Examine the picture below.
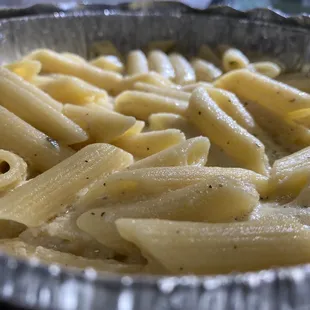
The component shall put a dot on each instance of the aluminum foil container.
(32, 285)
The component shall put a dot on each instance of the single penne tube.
(205, 71)
(274, 95)
(184, 73)
(53, 191)
(222, 130)
(297, 80)
(41, 80)
(53, 62)
(161, 121)
(37, 149)
(221, 200)
(75, 57)
(159, 62)
(13, 170)
(26, 87)
(190, 87)
(26, 69)
(187, 247)
(268, 68)
(69, 89)
(231, 105)
(134, 130)
(290, 174)
(152, 78)
(108, 62)
(102, 125)
(145, 182)
(283, 131)
(146, 144)
(163, 91)
(190, 152)
(234, 59)
(141, 104)
(34, 109)
(20, 249)
(136, 63)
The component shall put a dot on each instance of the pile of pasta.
(154, 164)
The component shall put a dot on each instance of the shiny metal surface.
(262, 31)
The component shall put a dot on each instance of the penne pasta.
(25, 87)
(34, 109)
(102, 125)
(190, 87)
(136, 63)
(267, 68)
(190, 152)
(13, 170)
(247, 150)
(20, 249)
(290, 135)
(163, 91)
(290, 174)
(161, 121)
(234, 59)
(231, 105)
(108, 62)
(273, 95)
(159, 62)
(184, 73)
(37, 149)
(74, 57)
(218, 200)
(53, 62)
(205, 71)
(201, 248)
(152, 78)
(149, 143)
(54, 190)
(27, 69)
(141, 105)
(142, 183)
(151, 201)
(69, 89)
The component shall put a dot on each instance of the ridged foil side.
(287, 39)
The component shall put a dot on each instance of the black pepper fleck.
(102, 214)
(86, 161)
(199, 112)
(210, 186)
(148, 148)
(104, 184)
(87, 178)
(92, 213)
(292, 100)
(235, 247)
